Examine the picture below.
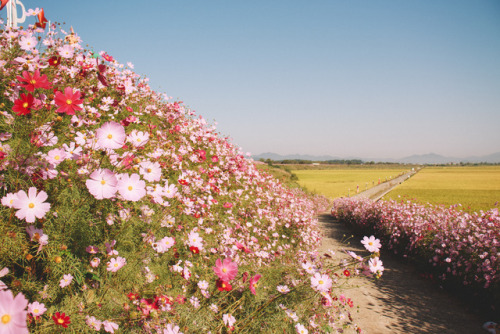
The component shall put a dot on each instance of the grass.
(474, 187)
(340, 181)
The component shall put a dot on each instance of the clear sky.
(348, 78)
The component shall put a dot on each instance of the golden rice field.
(344, 181)
(474, 187)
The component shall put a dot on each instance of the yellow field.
(475, 187)
(344, 181)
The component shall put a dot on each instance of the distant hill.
(430, 158)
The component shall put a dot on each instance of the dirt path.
(401, 301)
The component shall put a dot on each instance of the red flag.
(42, 21)
(2, 5)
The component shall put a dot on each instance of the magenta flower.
(31, 205)
(111, 135)
(131, 187)
(253, 283)
(226, 270)
(13, 313)
(68, 102)
(102, 183)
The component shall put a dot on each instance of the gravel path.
(401, 301)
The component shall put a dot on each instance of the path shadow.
(411, 304)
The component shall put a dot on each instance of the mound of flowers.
(459, 247)
(123, 211)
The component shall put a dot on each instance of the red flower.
(132, 296)
(193, 249)
(42, 21)
(68, 102)
(23, 105)
(183, 182)
(107, 57)
(347, 273)
(55, 61)
(32, 81)
(223, 286)
(61, 319)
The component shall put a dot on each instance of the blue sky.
(370, 79)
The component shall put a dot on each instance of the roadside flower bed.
(124, 211)
(458, 246)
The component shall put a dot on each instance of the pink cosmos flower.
(172, 329)
(93, 323)
(56, 156)
(111, 135)
(371, 244)
(150, 171)
(102, 184)
(138, 138)
(228, 319)
(13, 313)
(94, 263)
(322, 283)
(164, 244)
(376, 265)
(253, 283)
(66, 280)
(68, 102)
(36, 309)
(28, 43)
(66, 51)
(116, 264)
(131, 187)
(194, 240)
(8, 199)
(301, 329)
(31, 206)
(226, 270)
(109, 326)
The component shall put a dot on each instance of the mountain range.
(430, 158)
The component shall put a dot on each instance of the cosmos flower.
(32, 81)
(172, 329)
(138, 138)
(8, 199)
(150, 171)
(110, 135)
(66, 280)
(66, 51)
(116, 264)
(253, 283)
(61, 319)
(102, 184)
(68, 102)
(131, 187)
(371, 244)
(109, 326)
(13, 313)
(31, 206)
(36, 309)
(322, 283)
(23, 105)
(93, 322)
(226, 270)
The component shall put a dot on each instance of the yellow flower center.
(321, 282)
(148, 170)
(25, 105)
(116, 265)
(33, 81)
(130, 188)
(35, 311)
(110, 136)
(31, 205)
(139, 140)
(60, 321)
(224, 270)
(103, 182)
(5, 319)
(57, 157)
(68, 101)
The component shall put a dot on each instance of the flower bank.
(124, 211)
